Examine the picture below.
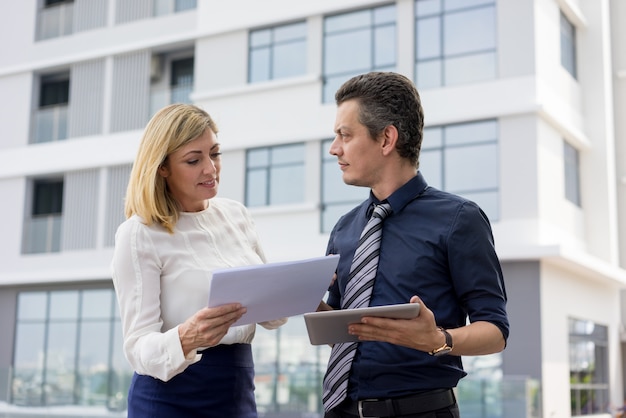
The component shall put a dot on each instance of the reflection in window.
(275, 175)
(68, 350)
(568, 46)
(588, 363)
(455, 42)
(337, 197)
(356, 43)
(572, 173)
(462, 159)
(277, 52)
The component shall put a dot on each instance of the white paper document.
(274, 290)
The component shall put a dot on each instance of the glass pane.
(431, 167)
(428, 42)
(288, 154)
(182, 5)
(260, 65)
(32, 306)
(120, 373)
(335, 190)
(470, 168)
(182, 72)
(256, 188)
(347, 52)
(96, 304)
(28, 364)
(259, 157)
(347, 21)
(464, 4)
(488, 202)
(261, 37)
(64, 305)
(290, 32)
(427, 7)
(469, 31)
(93, 364)
(333, 211)
(385, 46)
(332, 84)
(432, 138)
(468, 133)
(385, 14)
(289, 60)
(428, 74)
(59, 374)
(287, 185)
(48, 197)
(470, 68)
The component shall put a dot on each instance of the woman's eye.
(192, 162)
(216, 155)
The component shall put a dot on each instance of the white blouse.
(161, 279)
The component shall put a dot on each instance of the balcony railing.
(55, 21)
(42, 234)
(49, 124)
(160, 98)
(166, 7)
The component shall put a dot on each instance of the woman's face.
(192, 173)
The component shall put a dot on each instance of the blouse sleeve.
(136, 271)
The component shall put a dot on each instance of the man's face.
(358, 154)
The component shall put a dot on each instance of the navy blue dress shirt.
(437, 246)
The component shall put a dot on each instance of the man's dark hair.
(387, 98)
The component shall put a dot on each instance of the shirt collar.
(410, 190)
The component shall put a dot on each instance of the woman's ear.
(164, 171)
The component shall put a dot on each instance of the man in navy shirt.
(437, 249)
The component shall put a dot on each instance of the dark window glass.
(48, 197)
(54, 92)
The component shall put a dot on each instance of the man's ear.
(389, 137)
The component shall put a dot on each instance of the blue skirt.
(220, 385)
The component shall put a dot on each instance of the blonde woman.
(188, 360)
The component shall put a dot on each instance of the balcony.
(55, 21)
(49, 124)
(42, 234)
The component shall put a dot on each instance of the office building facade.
(524, 103)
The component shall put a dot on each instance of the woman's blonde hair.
(169, 129)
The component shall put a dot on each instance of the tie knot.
(382, 210)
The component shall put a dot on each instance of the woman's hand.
(208, 326)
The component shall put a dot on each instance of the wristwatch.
(446, 347)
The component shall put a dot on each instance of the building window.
(455, 42)
(181, 82)
(337, 197)
(43, 229)
(356, 43)
(568, 46)
(55, 19)
(572, 173)
(277, 52)
(588, 360)
(68, 350)
(275, 175)
(171, 79)
(463, 159)
(50, 117)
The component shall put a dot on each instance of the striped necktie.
(356, 295)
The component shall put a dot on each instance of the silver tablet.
(329, 327)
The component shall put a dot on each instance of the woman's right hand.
(208, 326)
